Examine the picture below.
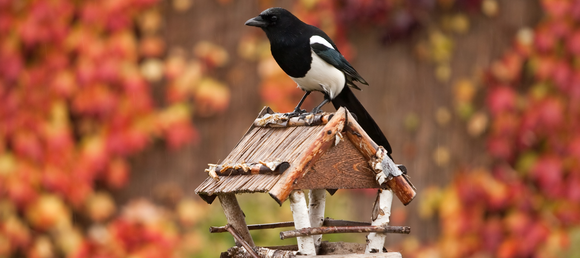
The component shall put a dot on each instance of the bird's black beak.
(257, 22)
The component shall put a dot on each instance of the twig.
(256, 226)
(264, 168)
(282, 120)
(328, 222)
(241, 241)
(345, 229)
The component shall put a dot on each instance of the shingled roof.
(278, 160)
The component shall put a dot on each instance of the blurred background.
(111, 110)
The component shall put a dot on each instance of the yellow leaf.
(7, 163)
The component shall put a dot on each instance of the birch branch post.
(317, 202)
(381, 214)
(235, 217)
(301, 220)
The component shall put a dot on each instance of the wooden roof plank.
(203, 186)
(299, 142)
(258, 182)
(272, 145)
(268, 184)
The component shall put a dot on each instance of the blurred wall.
(403, 93)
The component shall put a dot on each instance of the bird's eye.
(274, 18)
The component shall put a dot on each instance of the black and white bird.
(313, 61)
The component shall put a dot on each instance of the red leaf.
(548, 173)
(64, 83)
(574, 148)
(574, 88)
(56, 180)
(573, 43)
(573, 187)
(492, 235)
(117, 173)
(501, 99)
(508, 248)
(505, 124)
(500, 147)
(179, 134)
(20, 191)
(556, 8)
(536, 235)
(562, 75)
(27, 144)
(544, 39)
(551, 113)
(79, 193)
(12, 63)
(568, 213)
(544, 67)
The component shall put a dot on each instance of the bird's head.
(273, 19)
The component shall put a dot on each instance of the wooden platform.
(381, 255)
(327, 250)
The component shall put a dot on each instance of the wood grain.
(342, 167)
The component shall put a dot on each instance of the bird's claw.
(296, 112)
(316, 111)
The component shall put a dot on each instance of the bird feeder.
(283, 156)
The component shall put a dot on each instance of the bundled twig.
(283, 120)
(262, 167)
(345, 229)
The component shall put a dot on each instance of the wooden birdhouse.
(283, 156)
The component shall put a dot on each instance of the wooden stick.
(256, 226)
(282, 120)
(347, 229)
(235, 217)
(324, 140)
(380, 218)
(383, 255)
(240, 240)
(317, 201)
(267, 168)
(402, 187)
(328, 222)
(263, 252)
(301, 220)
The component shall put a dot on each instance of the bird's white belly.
(322, 77)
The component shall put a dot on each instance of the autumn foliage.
(526, 204)
(75, 103)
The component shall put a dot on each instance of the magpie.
(312, 60)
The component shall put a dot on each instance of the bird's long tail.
(347, 99)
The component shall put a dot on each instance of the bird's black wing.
(337, 60)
